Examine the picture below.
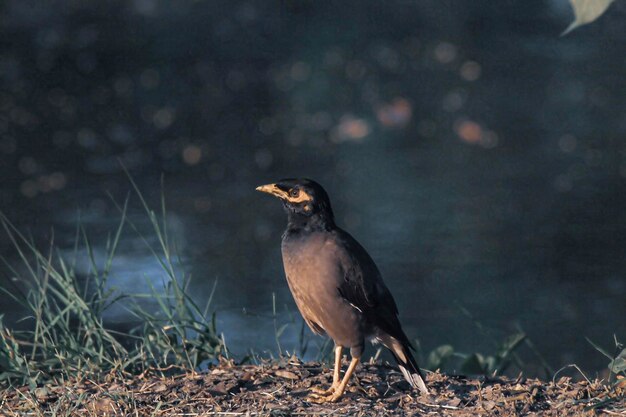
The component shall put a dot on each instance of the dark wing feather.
(364, 288)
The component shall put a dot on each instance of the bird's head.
(303, 199)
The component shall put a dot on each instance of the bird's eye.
(294, 192)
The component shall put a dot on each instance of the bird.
(336, 285)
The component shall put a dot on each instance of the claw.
(318, 399)
(337, 390)
(322, 392)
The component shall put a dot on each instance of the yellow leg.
(336, 372)
(341, 387)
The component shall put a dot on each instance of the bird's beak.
(273, 190)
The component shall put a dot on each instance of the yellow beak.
(273, 190)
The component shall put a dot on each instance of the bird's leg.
(336, 372)
(342, 385)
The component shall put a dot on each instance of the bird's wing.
(364, 288)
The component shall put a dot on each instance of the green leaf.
(586, 11)
(439, 356)
(491, 365)
(618, 364)
(474, 364)
(510, 344)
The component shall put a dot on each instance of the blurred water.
(476, 155)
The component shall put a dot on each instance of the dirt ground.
(282, 389)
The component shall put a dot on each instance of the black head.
(305, 201)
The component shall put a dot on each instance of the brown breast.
(314, 275)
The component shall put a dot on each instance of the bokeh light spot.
(469, 131)
(57, 181)
(470, 71)
(445, 52)
(192, 154)
(396, 114)
(163, 118)
(350, 128)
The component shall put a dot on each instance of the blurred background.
(477, 155)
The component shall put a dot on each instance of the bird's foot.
(331, 395)
(319, 392)
(321, 399)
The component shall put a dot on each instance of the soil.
(282, 389)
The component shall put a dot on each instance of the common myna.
(336, 284)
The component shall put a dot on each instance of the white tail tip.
(415, 380)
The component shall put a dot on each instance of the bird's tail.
(406, 362)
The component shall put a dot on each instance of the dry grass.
(282, 388)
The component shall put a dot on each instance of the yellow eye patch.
(301, 197)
